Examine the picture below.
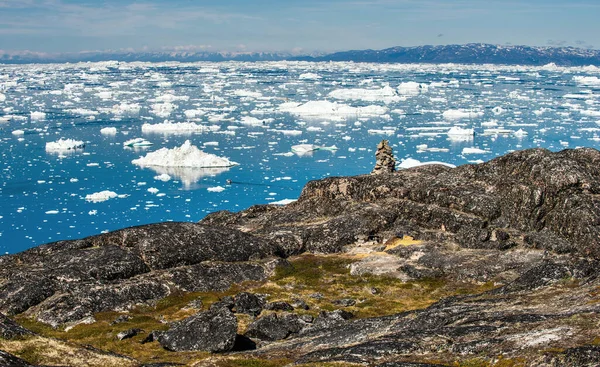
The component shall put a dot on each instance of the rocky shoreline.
(507, 253)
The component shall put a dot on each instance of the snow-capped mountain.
(472, 53)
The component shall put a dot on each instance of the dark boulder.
(212, 331)
(274, 327)
(248, 303)
(279, 306)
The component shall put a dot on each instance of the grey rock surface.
(212, 331)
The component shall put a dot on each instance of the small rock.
(318, 295)
(151, 337)
(307, 318)
(128, 334)
(225, 302)
(279, 306)
(211, 331)
(249, 303)
(345, 302)
(121, 319)
(298, 303)
(197, 304)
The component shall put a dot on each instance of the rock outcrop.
(212, 331)
(68, 281)
(527, 224)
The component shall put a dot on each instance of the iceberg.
(520, 133)
(411, 162)
(187, 155)
(101, 196)
(18, 132)
(411, 88)
(385, 94)
(458, 133)
(36, 116)
(283, 202)
(137, 142)
(474, 151)
(108, 131)
(176, 127)
(461, 114)
(64, 144)
(216, 189)
(330, 110)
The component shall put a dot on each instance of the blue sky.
(291, 25)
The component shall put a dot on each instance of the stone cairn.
(385, 159)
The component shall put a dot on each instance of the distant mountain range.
(472, 53)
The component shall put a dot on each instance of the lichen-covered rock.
(212, 331)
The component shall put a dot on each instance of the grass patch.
(317, 279)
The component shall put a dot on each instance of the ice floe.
(101, 196)
(108, 131)
(474, 151)
(216, 189)
(283, 202)
(137, 142)
(411, 88)
(461, 114)
(177, 127)
(411, 162)
(330, 110)
(386, 94)
(64, 145)
(36, 116)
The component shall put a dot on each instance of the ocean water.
(252, 114)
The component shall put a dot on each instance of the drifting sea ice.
(330, 110)
(461, 114)
(101, 196)
(108, 131)
(216, 189)
(187, 155)
(137, 142)
(64, 145)
(385, 94)
(474, 151)
(411, 88)
(411, 162)
(177, 127)
(36, 116)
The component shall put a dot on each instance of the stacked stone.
(385, 159)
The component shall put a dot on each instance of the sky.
(300, 26)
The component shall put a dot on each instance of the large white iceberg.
(187, 155)
(64, 144)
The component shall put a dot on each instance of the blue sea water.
(43, 194)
